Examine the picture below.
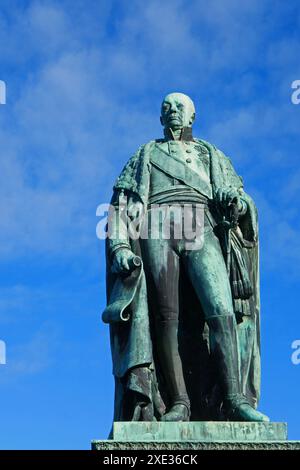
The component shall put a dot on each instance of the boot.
(224, 349)
(243, 411)
(171, 365)
(178, 412)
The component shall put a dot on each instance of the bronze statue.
(183, 310)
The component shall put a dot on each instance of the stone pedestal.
(206, 435)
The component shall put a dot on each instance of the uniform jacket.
(127, 309)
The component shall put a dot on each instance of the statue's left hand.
(227, 196)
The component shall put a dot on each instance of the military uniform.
(180, 174)
(167, 172)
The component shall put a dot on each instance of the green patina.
(205, 363)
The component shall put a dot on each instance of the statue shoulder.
(212, 148)
(204, 142)
(142, 148)
(222, 163)
(218, 153)
(133, 171)
(135, 157)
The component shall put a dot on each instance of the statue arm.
(126, 205)
(243, 205)
(125, 208)
(232, 188)
(117, 224)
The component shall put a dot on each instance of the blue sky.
(84, 83)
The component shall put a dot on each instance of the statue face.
(177, 111)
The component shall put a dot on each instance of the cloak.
(139, 388)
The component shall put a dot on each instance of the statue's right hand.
(121, 261)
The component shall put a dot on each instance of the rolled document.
(123, 292)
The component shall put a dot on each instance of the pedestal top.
(204, 431)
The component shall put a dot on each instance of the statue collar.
(186, 134)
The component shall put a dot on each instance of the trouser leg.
(207, 272)
(167, 348)
(162, 269)
(225, 353)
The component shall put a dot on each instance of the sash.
(180, 170)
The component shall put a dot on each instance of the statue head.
(177, 111)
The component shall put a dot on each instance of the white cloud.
(31, 357)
